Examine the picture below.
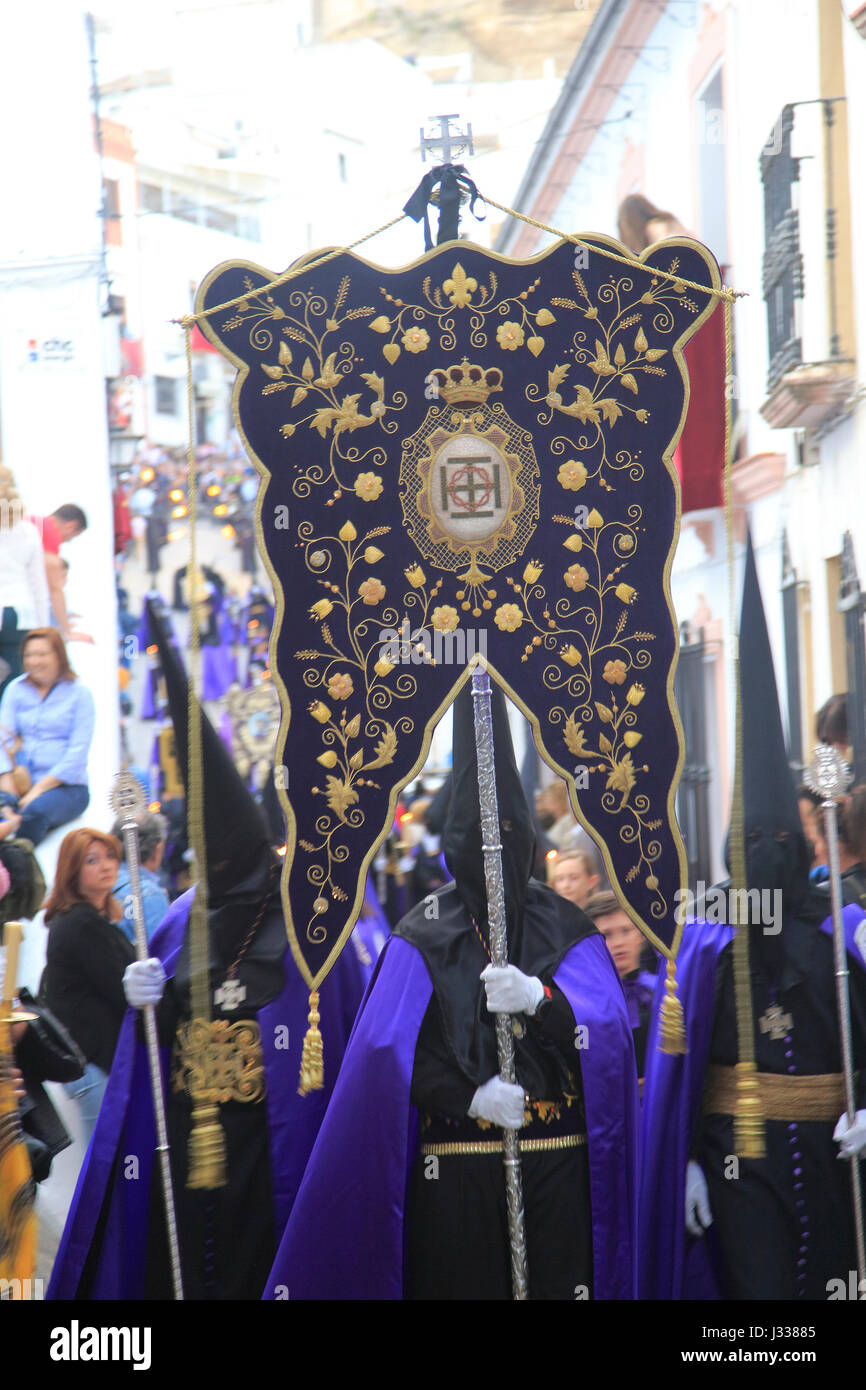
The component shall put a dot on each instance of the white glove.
(509, 991)
(144, 982)
(698, 1214)
(499, 1102)
(851, 1141)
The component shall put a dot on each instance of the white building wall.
(52, 398)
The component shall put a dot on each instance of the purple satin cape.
(852, 916)
(346, 1239)
(371, 931)
(672, 1264)
(126, 1124)
(219, 667)
(638, 992)
(672, 1089)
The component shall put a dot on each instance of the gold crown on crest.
(467, 382)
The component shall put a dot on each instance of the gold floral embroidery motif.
(219, 1061)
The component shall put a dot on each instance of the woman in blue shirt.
(52, 713)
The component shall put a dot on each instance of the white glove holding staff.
(509, 991)
(144, 982)
(851, 1141)
(698, 1214)
(498, 1102)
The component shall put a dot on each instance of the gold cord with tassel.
(207, 1144)
(312, 1076)
(207, 1148)
(672, 1028)
(748, 1119)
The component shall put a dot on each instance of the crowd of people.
(150, 502)
(411, 1011)
(91, 977)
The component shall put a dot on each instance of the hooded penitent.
(236, 835)
(785, 1018)
(351, 1234)
(438, 808)
(242, 867)
(113, 1246)
(776, 851)
(461, 837)
(540, 926)
(529, 771)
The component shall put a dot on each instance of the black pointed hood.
(273, 811)
(541, 926)
(529, 780)
(776, 852)
(236, 836)
(438, 808)
(461, 835)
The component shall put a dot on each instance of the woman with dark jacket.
(44, 1051)
(85, 960)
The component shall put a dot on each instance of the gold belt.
(219, 1061)
(804, 1098)
(494, 1146)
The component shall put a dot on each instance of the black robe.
(784, 1222)
(458, 1221)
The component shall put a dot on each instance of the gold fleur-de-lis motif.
(460, 287)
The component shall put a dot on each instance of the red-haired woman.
(51, 712)
(85, 960)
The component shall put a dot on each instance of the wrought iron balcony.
(803, 395)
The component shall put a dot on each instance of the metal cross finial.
(452, 142)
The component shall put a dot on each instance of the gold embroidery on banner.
(462, 292)
(462, 296)
(219, 1061)
(470, 493)
(586, 640)
(317, 369)
(470, 483)
(348, 665)
(617, 358)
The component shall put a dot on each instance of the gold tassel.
(207, 1148)
(748, 1121)
(312, 1076)
(672, 1025)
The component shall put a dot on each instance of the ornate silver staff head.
(127, 800)
(828, 774)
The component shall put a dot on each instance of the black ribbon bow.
(453, 181)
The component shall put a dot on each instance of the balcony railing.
(801, 394)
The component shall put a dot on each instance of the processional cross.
(451, 143)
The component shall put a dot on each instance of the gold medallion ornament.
(469, 481)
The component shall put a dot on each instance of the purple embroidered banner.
(468, 459)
